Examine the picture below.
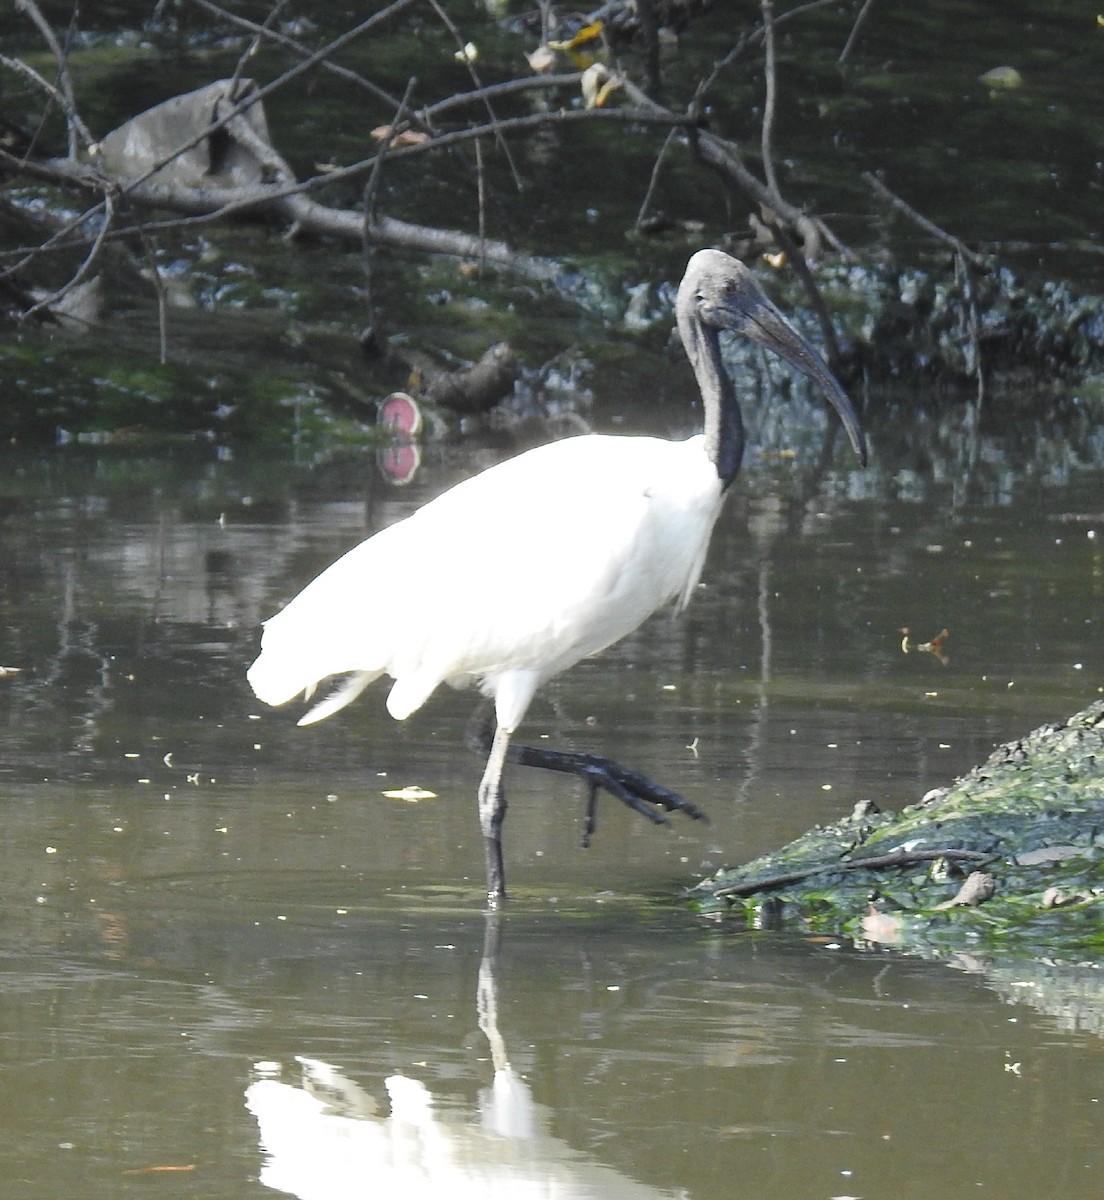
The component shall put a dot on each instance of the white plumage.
(505, 580)
(514, 575)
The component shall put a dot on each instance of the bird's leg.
(633, 789)
(492, 810)
(590, 813)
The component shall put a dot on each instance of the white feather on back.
(508, 577)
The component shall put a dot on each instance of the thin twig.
(371, 191)
(649, 32)
(493, 91)
(469, 63)
(371, 188)
(800, 264)
(770, 90)
(251, 50)
(753, 37)
(724, 157)
(76, 127)
(288, 43)
(852, 37)
(56, 94)
(150, 253)
(645, 204)
(482, 201)
(104, 228)
(929, 227)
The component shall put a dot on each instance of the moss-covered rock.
(1010, 856)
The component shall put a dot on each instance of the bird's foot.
(634, 790)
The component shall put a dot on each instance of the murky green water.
(196, 896)
(192, 886)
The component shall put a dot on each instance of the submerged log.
(472, 389)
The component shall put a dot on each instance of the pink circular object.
(400, 415)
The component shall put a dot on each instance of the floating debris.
(934, 647)
(411, 794)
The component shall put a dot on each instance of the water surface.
(197, 895)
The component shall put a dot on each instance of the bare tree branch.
(645, 204)
(261, 32)
(211, 203)
(64, 91)
(853, 36)
(462, 53)
(929, 227)
(251, 50)
(371, 190)
(767, 8)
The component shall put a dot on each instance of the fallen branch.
(212, 203)
(902, 858)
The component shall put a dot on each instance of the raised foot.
(636, 791)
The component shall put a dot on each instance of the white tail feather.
(344, 694)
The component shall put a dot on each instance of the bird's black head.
(719, 292)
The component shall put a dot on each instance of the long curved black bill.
(766, 325)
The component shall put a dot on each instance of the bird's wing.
(561, 551)
(528, 566)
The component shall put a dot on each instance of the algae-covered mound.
(1009, 857)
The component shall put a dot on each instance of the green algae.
(1030, 818)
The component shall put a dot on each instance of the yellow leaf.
(611, 85)
(587, 34)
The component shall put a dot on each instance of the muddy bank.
(1007, 858)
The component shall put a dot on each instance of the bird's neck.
(724, 427)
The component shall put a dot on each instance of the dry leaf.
(412, 794)
(597, 85)
(541, 59)
(406, 137)
(1003, 78)
(167, 1168)
(934, 647)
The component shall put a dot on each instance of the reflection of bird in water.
(323, 1138)
(516, 574)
